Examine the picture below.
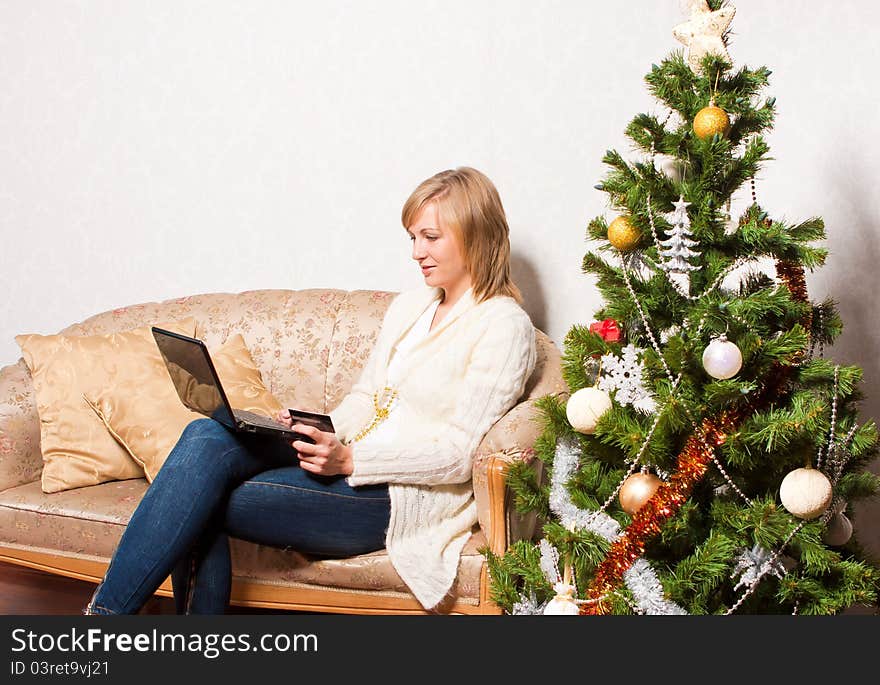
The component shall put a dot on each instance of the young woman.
(450, 360)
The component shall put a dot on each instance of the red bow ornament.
(608, 330)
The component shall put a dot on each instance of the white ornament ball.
(805, 493)
(722, 359)
(563, 603)
(669, 166)
(839, 530)
(585, 408)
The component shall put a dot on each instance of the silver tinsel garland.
(565, 463)
(549, 561)
(647, 591)
(640, 578)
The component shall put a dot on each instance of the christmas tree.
(708, 456)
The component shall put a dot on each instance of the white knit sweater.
(469, 371)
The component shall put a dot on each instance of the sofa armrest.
(509, 440)
(20, 458)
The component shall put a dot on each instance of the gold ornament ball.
(623, 235)
(586, 407)
(805, 493)
(709, 121)
(637, 490)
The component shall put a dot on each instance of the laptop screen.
(193, 376)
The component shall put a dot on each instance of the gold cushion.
(77, 450)
(147, 417)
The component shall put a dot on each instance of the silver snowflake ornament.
(753, 564)
(528, 606)
(623, 376)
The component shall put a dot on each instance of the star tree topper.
(704, 33)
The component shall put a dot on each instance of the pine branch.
(742, 169)
(722, 394)
(856, 486)
(519, 570)
(698, 575)
(678, 533)
(827, 324)
(777, 240)
(847, 583)
(736, 90)
(580, 345)
(765, 310)
(597, 229)
(583, 547)
(753, 120)
(607, 275)
(774, 430)
(818, 376)
(785, 347)
(528, 495)
(808, 231)
(672, 82)
(593, 483)
(763, 521)
(621, 428)
(865, 440)
(646, 131)
(620, 180)
(807, 546)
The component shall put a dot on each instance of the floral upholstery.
(20, 457)
(88, 522)
(310, 346)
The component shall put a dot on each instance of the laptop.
(200, 390)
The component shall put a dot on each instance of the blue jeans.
(216, 483)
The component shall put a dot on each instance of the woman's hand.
(284, 417)
(327, 457)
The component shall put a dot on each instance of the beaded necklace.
(382, 401)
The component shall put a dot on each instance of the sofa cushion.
(310, 345)
(88, 522)
(364, 572)
(147, 417)
(77, 449)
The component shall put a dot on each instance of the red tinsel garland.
(693, 462)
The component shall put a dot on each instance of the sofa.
(309, 346)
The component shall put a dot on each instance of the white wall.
(139, 140)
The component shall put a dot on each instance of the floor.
(25, 591)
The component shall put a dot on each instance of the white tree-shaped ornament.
(677, 248)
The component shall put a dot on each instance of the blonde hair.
(469, 204)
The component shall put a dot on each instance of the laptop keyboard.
(258, 419)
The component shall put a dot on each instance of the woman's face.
(436, 250)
